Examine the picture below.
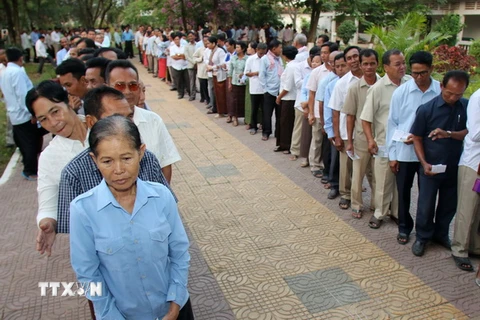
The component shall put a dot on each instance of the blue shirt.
(127, 36)
(322, 85)
(328, 112)
(15, 85)
(403, 107)
(141, 258)
(82, 174)
(305, 92)
(269, 77)
(34, 36)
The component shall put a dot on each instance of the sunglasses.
(132, 86)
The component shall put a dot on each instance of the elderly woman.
(48, 102)
(236, 83)
(127, 234)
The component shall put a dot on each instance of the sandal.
(293, 157)
(374, 223)
(229, 119)
(317, 173)
(327, 186)
(286, 152)
(253, 131)
(402, 238)
(357, 214)
(264, 138)
(344, 204)
(235, 122)
(463, 263)
(304, 164)
(324, 180)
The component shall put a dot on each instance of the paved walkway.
(266, 243)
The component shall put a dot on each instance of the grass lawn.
(31, 68)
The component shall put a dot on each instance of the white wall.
(324, 22)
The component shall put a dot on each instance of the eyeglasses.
(420, 73)
(121, 86)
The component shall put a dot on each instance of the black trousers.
(326, 149)
(181, 81)
(334, 170)
(204, 90)
(404, 180)
(118, 46)
(129, 49)
(41, 61)
(270, 106)
(445, 186)
(257, 104)
(186, 313)
(26, 55)
(28, 139)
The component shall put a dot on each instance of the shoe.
(30, 177)
(202, 100)
(191, 98)
(277, 149)
(210, 112)
(463, 263)
(402, 238)
(253, 131)
(418, 248)
(180, 97)
(317, 173)
(173, 89)
(155, 75)
(304, 164)
(265, 137)
(374, 223)
(333, 194)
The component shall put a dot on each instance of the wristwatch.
(449, 133)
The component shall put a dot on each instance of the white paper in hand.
(352, 155)
(382, 152)
(400, 136)
(439, 168)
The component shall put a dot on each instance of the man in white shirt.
(352, 56)
(42, 54)
(55, 38)
(138, 36)
(26, 45)
(9, 142)
(257, 91)
(117, 37)
(123, 76)
(106, 38)
(15, 85)
(61, 54)
(465, 236)
(179, 66)
(190, 49)
(300, 42)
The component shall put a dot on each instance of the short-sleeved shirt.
(377, 106)
(438, 114)
(354, 102)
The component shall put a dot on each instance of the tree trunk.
(13, 20)
(314, 17)
(184, 15)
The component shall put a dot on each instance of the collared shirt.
(301, 71)
(117, 37)
(317, 75)
(322, 86)
(178, 64)
(261, 35)
(34, 36)
(61, 56)
(237, 67)
(198, 56)
(377, 106)
(403, 107)
(218, 59)
(287, 81)
(269, 77)
(82, 174)
(438, 114)
(149, 49)
(106, 40)
(15, 85)
(55, 37)
(156, 137)
(302, 54)
(471, 148)
(253, 65)
(189, 51)
(128, 36)
(40, 49)
(26, 44)
(59, 152)
(338, 99)
(141, 258)
(328, 112)
(288, 35)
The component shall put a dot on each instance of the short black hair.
(386, 56)
(205, 31)
(339, 56)
(231, 42)
(347, 49)
(111, 126)
(368, 53)
(253, 45)
(262, 46)
(242, 45)
(86, 57)
(314, 51)
(457, 75)
(86, 51)
(274, 44)
(421, 57)
(221, 37)
(290, 52)
(41, 36)
(74, 66)
(213, 39)
(13, 54)
(123, 64)
(324, 37)
(93, 100)
(98, 62)
(333, 46)
(48, 89)
(88, 42)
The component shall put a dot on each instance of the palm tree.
(407, 35)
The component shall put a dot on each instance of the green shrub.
(475, 50)
(449, 25)
(346, 31)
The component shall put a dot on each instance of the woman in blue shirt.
(127, 234)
